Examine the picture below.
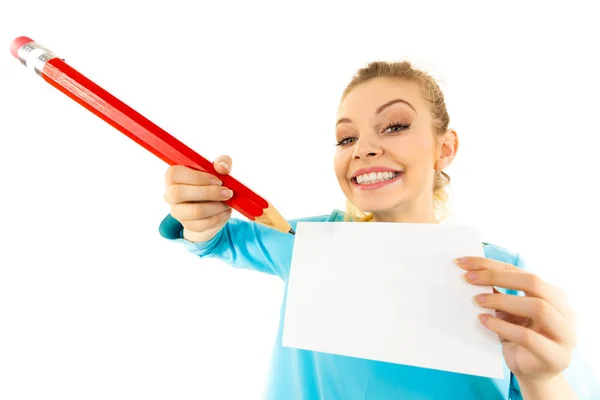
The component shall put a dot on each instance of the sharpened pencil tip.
(292, 231)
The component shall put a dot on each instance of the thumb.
(222, 164)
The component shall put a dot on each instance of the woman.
(393, 146)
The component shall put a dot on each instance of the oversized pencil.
(62, 76)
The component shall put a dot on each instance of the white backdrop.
(95, 304)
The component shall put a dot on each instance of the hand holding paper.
(536, 330)
(389, 292)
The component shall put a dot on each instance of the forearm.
(558, 388)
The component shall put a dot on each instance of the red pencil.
(59, 74)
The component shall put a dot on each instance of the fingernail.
(225, 193)
(224, 165)
(480, 299)
(460, 261)
(216, 182)
(484, 318)
(471, 276)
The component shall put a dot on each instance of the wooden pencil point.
(274, 220)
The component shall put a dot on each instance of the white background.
(95, 304)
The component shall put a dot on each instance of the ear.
(446, 149)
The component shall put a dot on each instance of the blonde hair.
(433, 95)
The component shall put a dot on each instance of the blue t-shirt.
(301, 374)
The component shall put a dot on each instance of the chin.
(379, 199)
(378, 205)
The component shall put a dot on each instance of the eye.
(396, 127)
(344, 141)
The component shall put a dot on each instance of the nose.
(366, 147)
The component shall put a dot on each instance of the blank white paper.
(389, 292)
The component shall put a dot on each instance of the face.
(387, 151)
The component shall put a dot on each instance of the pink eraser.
(18, 43)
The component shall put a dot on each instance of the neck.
(415, 213)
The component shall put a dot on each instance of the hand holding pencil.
(119, 115)
(197, 199)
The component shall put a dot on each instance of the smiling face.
(388, 152)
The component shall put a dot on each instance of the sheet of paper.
(389, 292)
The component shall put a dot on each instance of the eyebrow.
(380, 109)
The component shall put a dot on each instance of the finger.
(479, 263)
(538, 310)
(179, 174)
(546, 350)
(553, 294)
(195, 211)
(483, 263)
(512, 318)
(527, 282)
(176, 194)
(223, 164)
(212, 222)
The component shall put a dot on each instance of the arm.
(242, 244)
(557, 388)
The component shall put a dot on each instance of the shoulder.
(502, 254)
(275, 249)
(334, 216)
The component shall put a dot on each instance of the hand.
(196, 199)
(536, 330)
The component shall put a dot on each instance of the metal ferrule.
(34, 56)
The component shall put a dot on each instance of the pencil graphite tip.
(292, 231)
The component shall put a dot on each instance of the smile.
(375, 180)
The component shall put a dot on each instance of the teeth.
(375, 177)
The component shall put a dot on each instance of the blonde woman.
(393, 146)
